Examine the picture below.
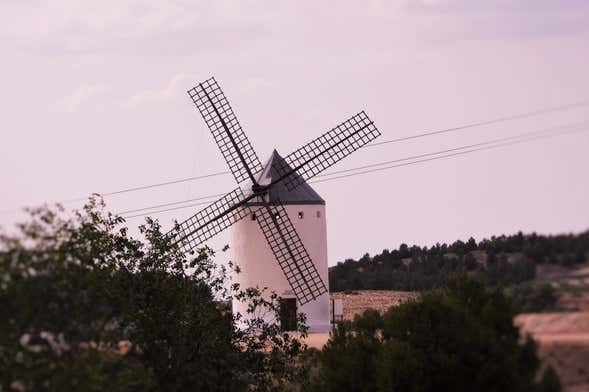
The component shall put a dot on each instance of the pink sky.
(94, 100)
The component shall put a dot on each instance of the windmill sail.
(326, 150)
(211, 220)
(280, 177)
(289, 251)
(232, 141)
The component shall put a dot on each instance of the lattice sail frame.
(220, 118)
(212, 220)
(288, 249)
(333, 146)
(278, 229)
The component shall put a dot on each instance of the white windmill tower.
(282, 244)
(306, 210)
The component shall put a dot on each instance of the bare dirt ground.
(578, 275)
(564, 343)
(571, 362)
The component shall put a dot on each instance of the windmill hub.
(259, 189)
(289, 258)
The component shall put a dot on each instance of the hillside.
(501, 260)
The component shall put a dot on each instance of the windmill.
(261, 189)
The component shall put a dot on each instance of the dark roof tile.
(303, 194)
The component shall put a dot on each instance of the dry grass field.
(380, 300)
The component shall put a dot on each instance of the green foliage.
(86, 307)
(550, 381)
(420, 268)
(533, 298)
(458, 338)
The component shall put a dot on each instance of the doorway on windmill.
(288, 314)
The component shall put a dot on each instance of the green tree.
(550, 381)
(86, 307)
(458, 338)
(533, 298)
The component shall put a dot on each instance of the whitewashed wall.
(251, 253)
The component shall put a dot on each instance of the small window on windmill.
(276, 215)
(318, 214)
(301, 214)
(253, 216)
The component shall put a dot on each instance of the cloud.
(68, 26)
(454, 20)
(434, 3)
(86, 93)
(177, 86)
(251, 86)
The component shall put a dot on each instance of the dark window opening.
(288, 314)
(253, 216)
(301, 215)
(318, 214)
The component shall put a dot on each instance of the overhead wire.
(173, 203)
(538, 112)
(420, 135)
(424, 134)
(487, 122)
(159, 184)
(138, 188)
(166, 210)
(529, 139)
(490, 144)
(493, 141)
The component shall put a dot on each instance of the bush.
(550, 381)
(531, 298)
(458, 338)
(86, 307)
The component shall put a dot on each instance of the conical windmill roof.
(302, 194)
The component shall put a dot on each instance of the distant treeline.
(500, 260)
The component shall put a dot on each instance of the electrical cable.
(172, 203)
(462, 127)
(490, 144)
(525, 134)
(529, 139)
(487, 122)
(494, 141)
(139, 188)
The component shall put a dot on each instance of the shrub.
(86, 307)
(458, 338)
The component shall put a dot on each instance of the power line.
(495, 143)
(488, 142)
(462, 127)
(487, 122)
(171, 204)
(139, 188)
(529, 139)
(459, 128)
(167, 209)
